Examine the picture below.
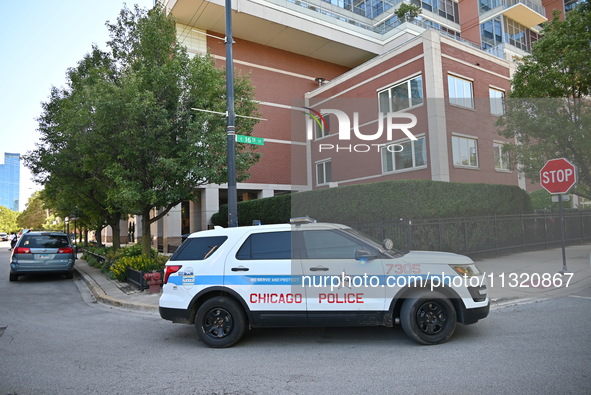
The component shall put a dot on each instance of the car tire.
(70, 275)
(428, 318)
(220, 322)
(12, 277)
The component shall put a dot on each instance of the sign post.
(231, 122)
(557, 177)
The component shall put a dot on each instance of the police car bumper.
(471, 316)
(181, 316)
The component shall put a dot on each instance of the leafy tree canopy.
(35, 214)
(8, 220)
(548, 111)
(126, 131)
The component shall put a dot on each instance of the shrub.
(408, 11)
(542, 200)
(385, 201)
(140, 263)
(113, 257)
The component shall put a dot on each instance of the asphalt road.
(54, 339)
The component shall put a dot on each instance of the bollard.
(153, 280)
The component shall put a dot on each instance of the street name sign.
(250, 140)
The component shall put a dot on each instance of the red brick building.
(450, 68)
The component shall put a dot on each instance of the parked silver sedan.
(43, 252)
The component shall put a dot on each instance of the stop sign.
(558, 176)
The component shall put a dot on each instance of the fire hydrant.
(153, 280)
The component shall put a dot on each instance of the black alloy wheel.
(220, 322)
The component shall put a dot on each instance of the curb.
(503, 302)
(100, 295)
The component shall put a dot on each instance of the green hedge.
(389, 200)
(542, 200)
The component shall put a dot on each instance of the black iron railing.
(481, 235)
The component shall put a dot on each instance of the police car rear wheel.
(428, 318)
(220, 322)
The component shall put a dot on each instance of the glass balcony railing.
(383, 24)
(490, 5)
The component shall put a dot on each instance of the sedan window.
(264, 246)
(328, 244)
(198, 248)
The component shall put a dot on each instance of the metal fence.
(136, 277)
(482, 235)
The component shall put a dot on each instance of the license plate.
(42, 256)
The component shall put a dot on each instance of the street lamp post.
(75, 227)
(231, 117)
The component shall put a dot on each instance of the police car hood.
(444, 258)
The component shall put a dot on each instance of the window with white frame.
(320, 129)
(323, 172)
(501, 157)
(407, 154)
(465, 151)
(460, 91)
(497, 105)
(401, 96)
(194, 39)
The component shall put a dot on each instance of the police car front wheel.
(428, 317)
(220, 322)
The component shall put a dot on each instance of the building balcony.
(529, 13)
(507, 51)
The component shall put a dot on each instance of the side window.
(496, 101)
(328, 244)
(323, 172)
(401, 96)
(320, 129)
(465, 151)
(461, 92)
(264, 246)
(198, 248)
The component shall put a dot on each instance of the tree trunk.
(116, 228)
(146, 233)
(98, 236)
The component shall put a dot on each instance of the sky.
(39, 41)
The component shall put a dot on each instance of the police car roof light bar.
(302, 220)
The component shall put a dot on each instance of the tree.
(549, 108)
(65, 161)
(408, 11)
(165, 149)
(35, 214)
(124, 135)
(8, 220)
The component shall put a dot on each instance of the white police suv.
(226, 280)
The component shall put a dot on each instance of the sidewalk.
(113, 292)
(522, 276)
(534, 274)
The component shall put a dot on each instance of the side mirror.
(388, 244)
(364, 255)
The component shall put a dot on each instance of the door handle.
(318, 269)
(240, 269)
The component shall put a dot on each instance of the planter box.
(136, 277)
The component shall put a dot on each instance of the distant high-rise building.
(10, 181)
